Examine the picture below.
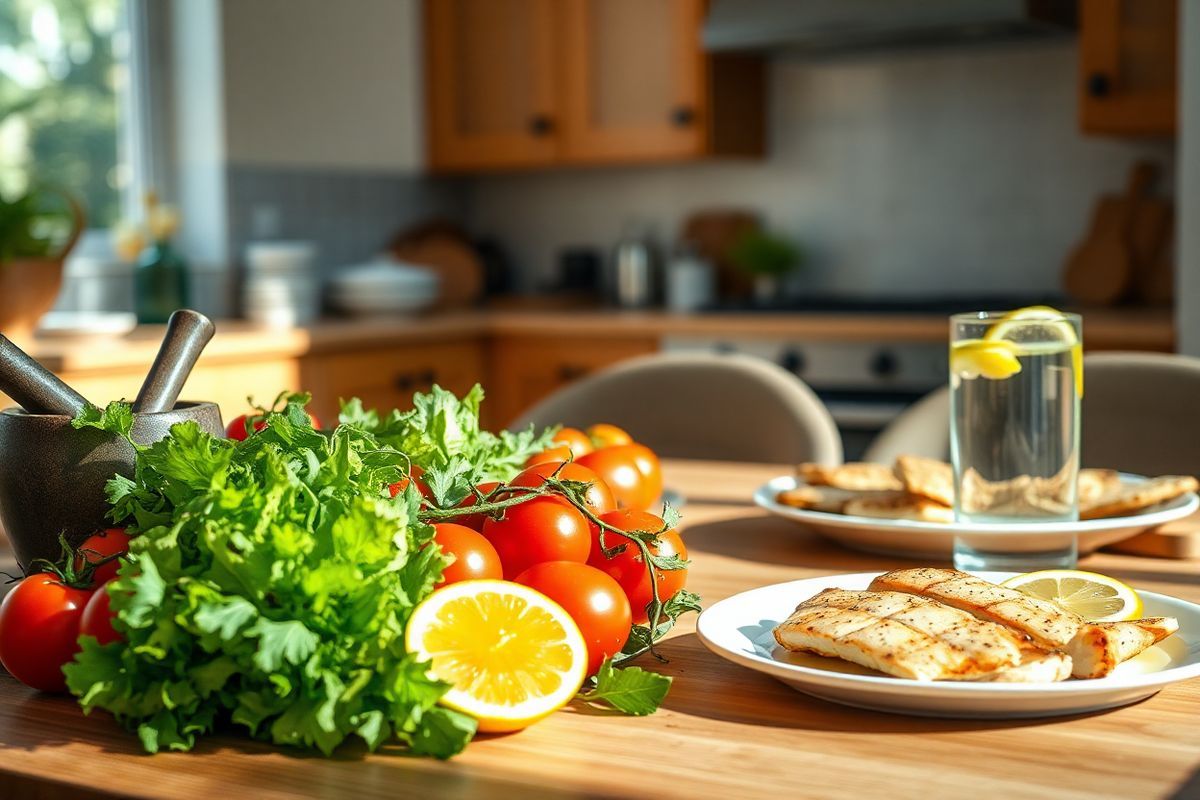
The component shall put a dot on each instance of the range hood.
(827, 26)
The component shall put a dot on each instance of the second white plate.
(915, 539)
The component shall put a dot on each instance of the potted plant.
(768, 259)
(37, 231)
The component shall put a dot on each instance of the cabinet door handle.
(571, 372)
(683, 116)
(541, 125)
(1098, 84)
(404, 381)
(428, 378)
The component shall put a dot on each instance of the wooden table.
(724, 731)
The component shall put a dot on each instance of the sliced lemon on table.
(1055, 329)
(1091, 595)
(512, 654)
(973, 358)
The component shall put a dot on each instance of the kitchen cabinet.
(387, 377)
(1128, 64)
(522, 83)
(525, 369)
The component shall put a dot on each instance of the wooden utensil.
(713, 233)
(1150, 241)
(1100, 269)
(447, 251)
(35, 388)
(187, 334)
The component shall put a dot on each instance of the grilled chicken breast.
(1095, 648)
(913, 637)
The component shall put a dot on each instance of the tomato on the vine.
(628, 567)
(621, 467)
(414, 474)
(542, 529)
(555, 454)
(604, 435)
(39, 628)
(598, 498)
(99, 546)
(574, 440)
(237, 428)
(474, 521)
(474, 556)
(96, 619)
(594, 600)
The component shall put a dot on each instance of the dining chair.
(1138, 415)
(719, 406)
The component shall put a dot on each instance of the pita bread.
(1129, 499)
(857, 476)
(898, 505)
(927, 477)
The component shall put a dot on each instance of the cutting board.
(1179, 539)
(448, 252)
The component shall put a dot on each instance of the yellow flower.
(128, 241)
(162, 221)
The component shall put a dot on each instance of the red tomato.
(574, 440)
(605, 435)
(629, 569)
(474, 521)
(599, 498)
(617, 467)
(97, 618)
(415, 473)
(648, 467)
(39, 626)
(99, 546)
(550, 454)
(541, 529)
(236, 429)
(594, 600)
(474, 556)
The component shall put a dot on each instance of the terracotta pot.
(29, 286)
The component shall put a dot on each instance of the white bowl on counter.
(384, 287)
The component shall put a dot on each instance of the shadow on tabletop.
(701, 677)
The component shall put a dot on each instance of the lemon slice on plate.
(511, 654)
(973, 358)
(1057, 333)
(1091, 595)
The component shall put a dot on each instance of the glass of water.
(1016, 379)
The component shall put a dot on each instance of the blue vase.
(160, 284)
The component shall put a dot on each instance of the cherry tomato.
(236, 429)
(594, 600)
(99, 546)
(474, 521)
(555, 454)
(648, 467)
(474, 556)
(541, 529)
(39, 626)
(415, 474)
(617, 467)
(97, 617)
(575, 440)
(605, 435)
(629, 569)
(599, 498)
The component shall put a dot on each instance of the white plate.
(915, 539)
(739, 629)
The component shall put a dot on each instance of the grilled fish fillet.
(1095, 648)
(913, 637)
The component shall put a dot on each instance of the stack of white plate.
(384, 287)
(281, 289)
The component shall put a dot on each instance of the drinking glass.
(1015, 383)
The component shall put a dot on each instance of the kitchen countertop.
(722, 731)
(1132, 329)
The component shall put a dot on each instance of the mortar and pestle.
(52, 476)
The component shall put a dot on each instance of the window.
(67, 109)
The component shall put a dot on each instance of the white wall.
(314, 83)
(1187, 270)
(958, 170)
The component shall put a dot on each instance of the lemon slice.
(972, 358)
(512, 654)
(1057, 328)
(1092, 596)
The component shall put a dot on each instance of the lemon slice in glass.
(972, 358)
(1055, 329)
(1093, 596)
(511, 654)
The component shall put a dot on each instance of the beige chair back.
(1139, 415)
(729, 407)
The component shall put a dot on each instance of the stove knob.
(884, 364)
(792, 361)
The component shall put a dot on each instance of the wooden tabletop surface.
(724, 731)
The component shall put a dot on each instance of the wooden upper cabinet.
(1128, 66)
(491, 83)
(518, 83)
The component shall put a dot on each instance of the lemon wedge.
(511, 654)
(972, 358)
(1091, 595)
(1054, 327)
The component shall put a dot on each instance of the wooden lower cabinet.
(387, 377)
(524, 369)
